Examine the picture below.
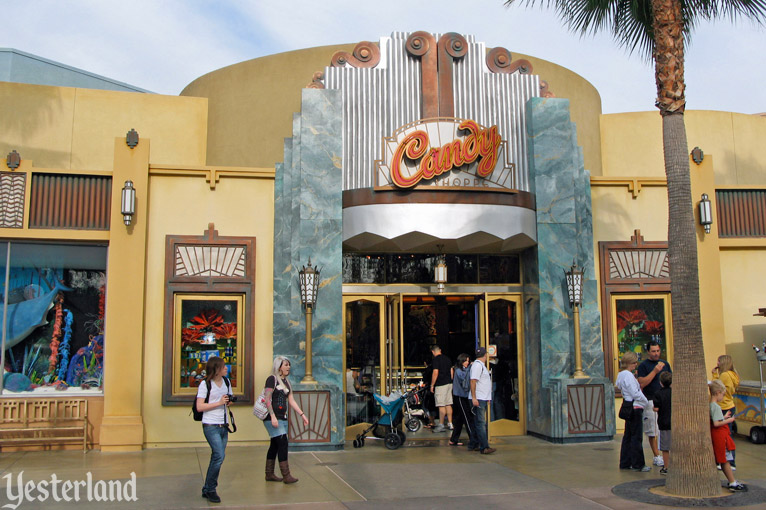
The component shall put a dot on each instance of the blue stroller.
(390, 420)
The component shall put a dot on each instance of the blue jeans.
(480, 422)
(217, 437)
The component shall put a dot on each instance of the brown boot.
(270, 476)
(284, 466)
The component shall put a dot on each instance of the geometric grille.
(586, 409)
(215, 260)
(643, 264)
(12, 187)
(316, 406)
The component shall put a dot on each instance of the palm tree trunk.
(692, 467)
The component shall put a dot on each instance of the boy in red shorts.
(719, 431)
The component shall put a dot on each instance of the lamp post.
(574, 287)
(309, 282)
(440, 274)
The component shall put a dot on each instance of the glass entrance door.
(388, 340)
(504, 342)
(363, 328)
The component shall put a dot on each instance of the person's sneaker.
(440, 428)
(737, 486)
(658, 461)
(733, 468)
(487, 451)
(718, 466)
(212, 497)
(664, 471)
(642, 469)
(450, 426)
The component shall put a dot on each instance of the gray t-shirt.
(715, 412)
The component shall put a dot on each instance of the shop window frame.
(231, 279)
(647, 284)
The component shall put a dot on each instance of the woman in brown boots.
(278, 393)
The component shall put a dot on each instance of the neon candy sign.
(483, 144)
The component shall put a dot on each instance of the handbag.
(626, 410)
(260, 410)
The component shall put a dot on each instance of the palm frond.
(630, 21)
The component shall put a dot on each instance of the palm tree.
(658, 29)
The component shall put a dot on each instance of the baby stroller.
(414, 409)
(390, 421)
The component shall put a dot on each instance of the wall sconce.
(128, 203)
(574, 279)
(706, 213)
(308, 277)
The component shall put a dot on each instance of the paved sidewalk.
(525, 473)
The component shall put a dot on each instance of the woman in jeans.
(631, 450)
(279, 395)
(214, 421)
(462, 405)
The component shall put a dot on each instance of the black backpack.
(198, 414)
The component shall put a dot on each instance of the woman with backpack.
(278, 394)
(212, 398)
(461, 393)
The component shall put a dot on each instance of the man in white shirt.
(481, 395)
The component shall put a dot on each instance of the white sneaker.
(450, 426)
(658, 461)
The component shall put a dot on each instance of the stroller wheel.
(413, 424)
(356, 443)
(393, 440)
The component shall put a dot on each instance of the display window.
(206, 326)
(209, 311)
(53, 301)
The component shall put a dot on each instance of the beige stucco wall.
(70, 128)
(185, 206)
(84, 130)
(632, 144)
(252, 104)
(730, 276)
(744, 273)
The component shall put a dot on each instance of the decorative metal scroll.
(365, 54)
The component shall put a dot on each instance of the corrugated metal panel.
(741, 213)
(381, 99)
(70, 201)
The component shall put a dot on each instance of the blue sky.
(163, 45)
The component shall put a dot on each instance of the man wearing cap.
(481, 395)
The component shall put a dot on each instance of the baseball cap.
(480, 352)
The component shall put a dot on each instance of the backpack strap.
(207, 397)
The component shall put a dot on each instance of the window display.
(207, 326)
(53, 333)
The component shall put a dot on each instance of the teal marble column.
(564, 235)
(308, 224)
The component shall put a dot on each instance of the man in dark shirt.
(648, 377)
(441, 387)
